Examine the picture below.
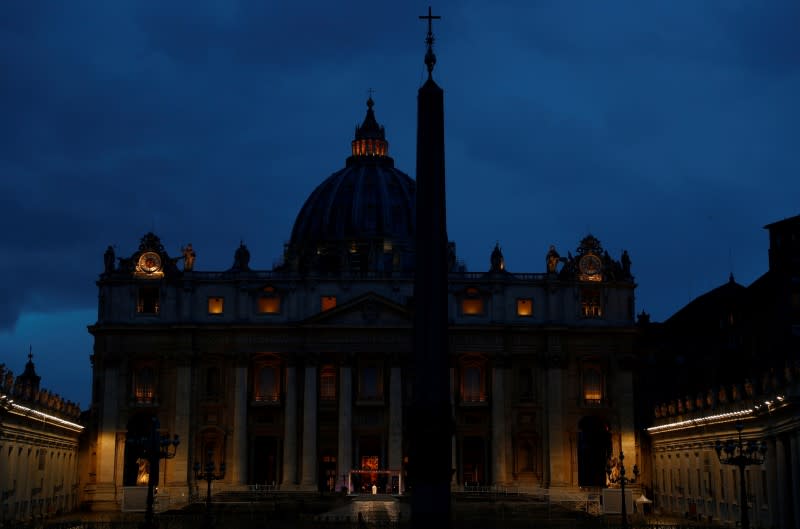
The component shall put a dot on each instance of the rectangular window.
(472, 307)
(269, 305)
(524, 307)
(472, 303)
(592, 386)
(147, 301)
(328, 302)
(327, 383)
(144, 385)
(216, 305)
(590, 303)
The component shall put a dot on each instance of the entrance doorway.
(137, 470)
(265, 461)
(594, 449)
(473, 460)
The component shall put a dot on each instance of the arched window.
(473, 381)
(267, 384)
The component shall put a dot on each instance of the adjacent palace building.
(300, 377)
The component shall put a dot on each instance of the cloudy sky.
(667, 128)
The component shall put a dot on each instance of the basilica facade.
(300, 377)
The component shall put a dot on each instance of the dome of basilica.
(361, 219)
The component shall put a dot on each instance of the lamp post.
(741, 454)
(154, 448)
(622, 480)
(208, 474)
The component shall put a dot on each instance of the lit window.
(328, 302)
(592, 386)
(267, 387)
(144, 385)
(472, 303)
(216, 305)
(524, 307)
(269, 302)
(147, 301)
(590, 303)
(327, 383)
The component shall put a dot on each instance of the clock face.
(590, 265)
(149, 262)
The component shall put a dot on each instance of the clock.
(590, 265)
(149, 262)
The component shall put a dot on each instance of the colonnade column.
(772, 482)
(239, 448)
(289, 480)
(782, 505)
(499, 422)
(345, 456)
(309, 471)
(395, 419)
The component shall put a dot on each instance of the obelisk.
(431, 420)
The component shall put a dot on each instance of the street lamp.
(208, 474)
(741, 454)
(622, 480)
(154, 448)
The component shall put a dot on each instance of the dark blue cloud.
(665, 129)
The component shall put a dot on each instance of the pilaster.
(499, 422)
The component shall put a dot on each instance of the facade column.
(239, 442)
(309, 472)
(289, 480)
(345, 456)
(395, 419)
(772, 487)
(498, 425)
(782, 505)
(179, 466)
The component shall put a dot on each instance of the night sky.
(667, 128)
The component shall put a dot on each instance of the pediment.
(368, 310)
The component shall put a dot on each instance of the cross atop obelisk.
(430, 58)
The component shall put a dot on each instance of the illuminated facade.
(300, 377)
(39, 435)
(731, 355)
